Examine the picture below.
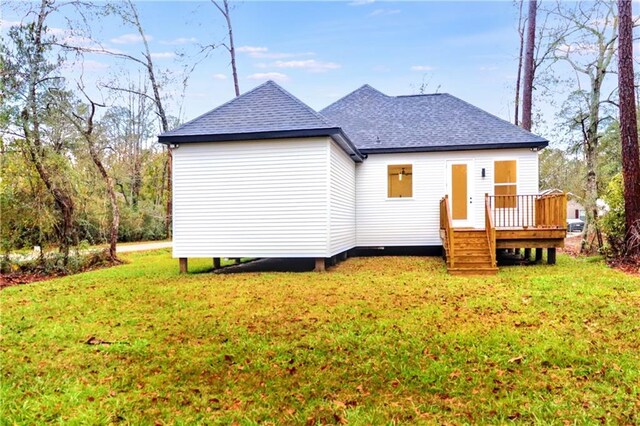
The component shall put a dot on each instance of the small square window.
(400, 181)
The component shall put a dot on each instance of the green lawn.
(375, 340)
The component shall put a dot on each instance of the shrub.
(144, 223)
(613, 223)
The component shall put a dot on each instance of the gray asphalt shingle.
(267, 108)
(369, 119)
(375, 121)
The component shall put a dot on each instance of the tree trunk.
(232, 49)
(628, 128)
(113, 200)
(36, 153)
(516, 115)
(164, 122)
(592, 137)
(529, 70)
(224, 11)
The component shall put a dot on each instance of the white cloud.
(263, 53)
(278, 76)
(163, 55)
(308, 64)
(179, 41)
(422, 68)
(129, 39)
(272, 55)
(5, 24)
(219, 76)
(251, 49)
(361, 2)
(384, 12)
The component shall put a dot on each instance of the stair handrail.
(490, 229)
(446, 224)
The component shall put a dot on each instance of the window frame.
(516, 183)
(400, 164)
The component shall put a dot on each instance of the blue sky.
(320, 50)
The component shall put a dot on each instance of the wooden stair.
(471, 253)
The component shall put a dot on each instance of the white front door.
(460, 190)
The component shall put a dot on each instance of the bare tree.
(521, 24)
(629, 129)
(224, 10)
(586, 41)
(129, 14)
(84, 124)
(529, 66)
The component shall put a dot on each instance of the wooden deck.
(512, 222)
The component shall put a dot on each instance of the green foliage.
(559, 170)
(26, 208)
(613, 223)
(54, 263)
(147, 222)
(373, 341)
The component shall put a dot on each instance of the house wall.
(572, 206)
(256, 199)
(383, 221)
(342, 198)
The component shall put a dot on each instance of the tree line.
(76, 167)
(578, 57)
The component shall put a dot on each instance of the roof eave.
(441, 148)
(335, 133)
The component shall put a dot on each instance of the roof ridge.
(218, 107)
(421, 94)
(316, 113)
(368, 86)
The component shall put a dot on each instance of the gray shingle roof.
(376, 122)
(366, 118)
(267, 108)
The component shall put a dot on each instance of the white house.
(264, 175)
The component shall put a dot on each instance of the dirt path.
(153, 245)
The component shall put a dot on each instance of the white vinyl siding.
(251, 198)
(343, 201)
(413, 222)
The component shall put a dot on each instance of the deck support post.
(538, 255)
(216, 263)
(527, 253)
(551, 255)
(183, 265)
(344, 255)
(320, 265)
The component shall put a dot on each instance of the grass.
(374, 341)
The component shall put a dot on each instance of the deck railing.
(446, 225)
(528, 211)
(551, 211)
(490, 229)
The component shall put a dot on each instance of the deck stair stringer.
(471, 254)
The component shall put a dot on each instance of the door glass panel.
(459, 191)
